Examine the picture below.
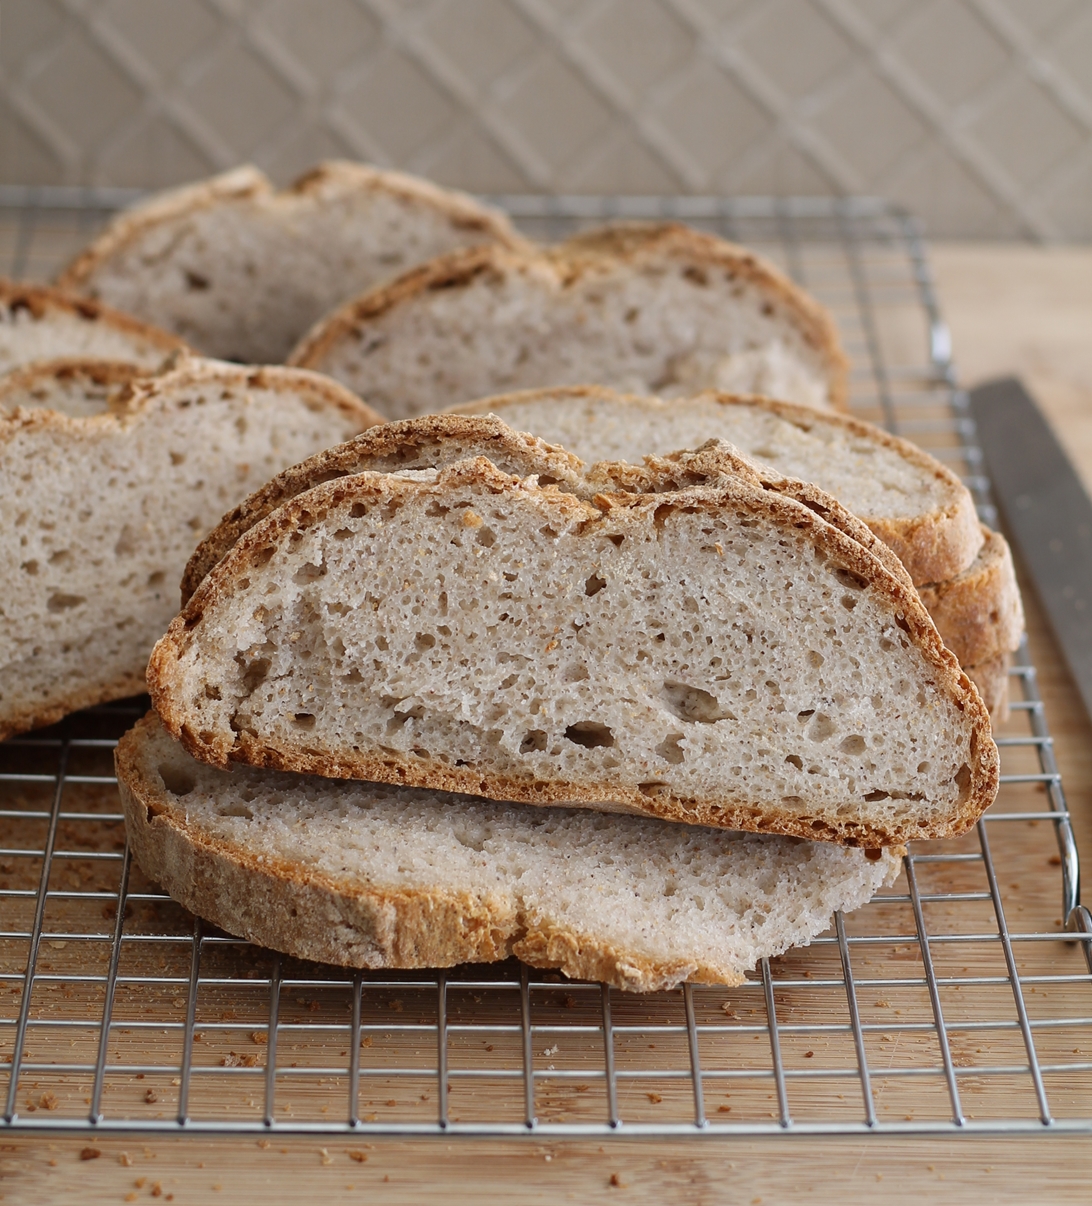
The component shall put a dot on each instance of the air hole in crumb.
(236, 810)
(358, 511)
(821, 727)
(848, 602)
(63, 602)
(654, 787)
(179, 781)
(963, 781)
(815, 658)
(486, 537)
(796, 761)
(534, 740)
(304, 719)
(177, 458)
(875, 796)
(309, 573)
(589, 734)
(850, 579)
(343, 534)
(594, 584)
(923, 767)
(670, 750)
(853, 745)
(693, 704)
(424, 640)
(156, 578)
(212, 691)
(616, 538)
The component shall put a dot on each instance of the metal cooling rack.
(952, 1002)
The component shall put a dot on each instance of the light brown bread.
(39, 323)
(719, 654)
(991, 680)
(101, 510)
(918, 507)
(241, 270)
(653, 308)
(979, 612)
(363, 875)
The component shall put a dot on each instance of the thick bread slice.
(918, 507)
(979, 612)
(242, 271)
(99, 512)
(369, 876)
(719, 655)
(39, 323)
(654, 308)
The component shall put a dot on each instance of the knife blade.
(1046, 513)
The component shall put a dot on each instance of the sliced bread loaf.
(242, 271)
(918, 507)
(718, 654)
(99, 511)
(364, 875)
(652, 308)
(71, 386)
(38, 323)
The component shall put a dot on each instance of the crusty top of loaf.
(286, 554)
(915, 504)
(597, 255)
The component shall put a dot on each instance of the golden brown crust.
(596, 250)
(390, 767)
(40, 300)
(293, 908)
(407, 444)
(979, 613)
(247, 182)
(932, 546)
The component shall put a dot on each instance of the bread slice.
(242, 271)
(717, 654)
(104, 509)
(918, 507)
(435, 441)
(364, 875)
(654, 308)
(39, 323)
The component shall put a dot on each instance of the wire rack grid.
(955, 1001)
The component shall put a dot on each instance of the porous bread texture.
(242, 271)
(39, 323)
(435, 441)
(918, 507)
(979, 612)
(99, 512)
(70, 386)
(653, 308)
(364, 875)
(430, 442)
(719, 655)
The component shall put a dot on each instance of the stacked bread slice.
(914, 504)
(656, 308)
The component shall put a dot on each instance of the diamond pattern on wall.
(975, 113)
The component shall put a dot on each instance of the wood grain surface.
(1012, 309)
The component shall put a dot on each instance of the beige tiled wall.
(975, 113)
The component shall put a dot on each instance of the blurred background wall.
(977, 114)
